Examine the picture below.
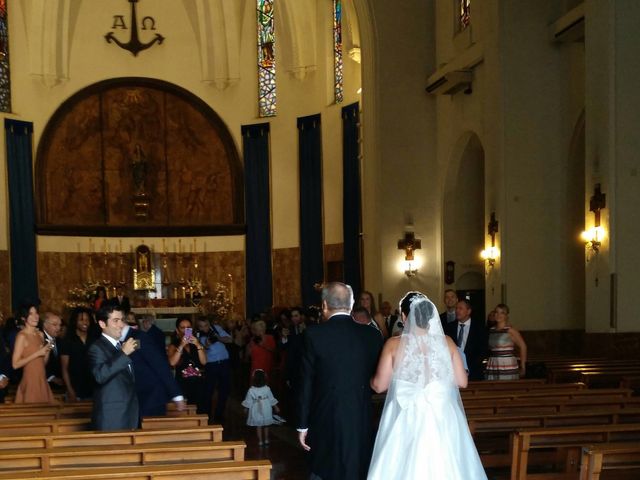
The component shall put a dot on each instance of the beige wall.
(54, 59)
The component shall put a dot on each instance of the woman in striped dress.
(503, 338)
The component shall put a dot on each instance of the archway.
(138, 156)
(463, 218)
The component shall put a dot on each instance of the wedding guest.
(100, 297)
(31, 353)
(260, 405)
(366, 300)
(74, 361)
(503, 339)
(187, 356)
(261, 349)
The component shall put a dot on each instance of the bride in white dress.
(423, 430)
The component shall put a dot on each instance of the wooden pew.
(14, 407)
(610, 377)
(45, 460)
(544, 405)
(623, 457)
(522, 388)
(248, 469)
(492, 433)
(631, 381)
(211, 433)
(185, 421)
(562, 446)
(24, 427)
(572, 373)
(59, 425)
(45, 413)
(500, 384)
(549, 394)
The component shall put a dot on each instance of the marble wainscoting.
(5, 283)
(58, 272)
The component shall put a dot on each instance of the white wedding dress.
(423, 431)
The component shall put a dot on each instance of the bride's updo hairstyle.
(424, 310)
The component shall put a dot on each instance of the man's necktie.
(460, 335)
(118, 345)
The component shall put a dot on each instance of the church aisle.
(286, 456)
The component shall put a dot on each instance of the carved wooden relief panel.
(138, 156)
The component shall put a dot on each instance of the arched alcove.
(463, 209)
(134, 156)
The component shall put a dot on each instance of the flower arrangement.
(81, 296)
(219, 303)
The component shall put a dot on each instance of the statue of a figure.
(139, 166)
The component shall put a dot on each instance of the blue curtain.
(22, 238)
(255, 143)
(311, 242)
(351, 207)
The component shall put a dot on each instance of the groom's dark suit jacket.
(476, 349)
(155, 384)
(334, 398)
(115, 405)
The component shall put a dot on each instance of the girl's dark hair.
(259, 378)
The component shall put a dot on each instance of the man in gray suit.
(115, 404)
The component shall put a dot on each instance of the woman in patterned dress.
(503, 338)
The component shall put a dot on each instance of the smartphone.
(188, 332)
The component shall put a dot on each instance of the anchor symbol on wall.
(134, 45)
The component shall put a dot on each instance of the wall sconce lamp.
(593, 237)
(492, 253)
(409, 243)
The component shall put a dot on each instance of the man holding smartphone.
(115, 404)
(218, 369)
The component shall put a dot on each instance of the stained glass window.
(337, 50)
(266, 59)
(5, 84)
(465, 13)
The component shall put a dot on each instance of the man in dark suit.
(472, 338)
(122, 300)
(334, 397)
(155, 384)
(51, 329)
(450, 303)
(115, 405)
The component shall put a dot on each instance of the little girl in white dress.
(260, 405)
